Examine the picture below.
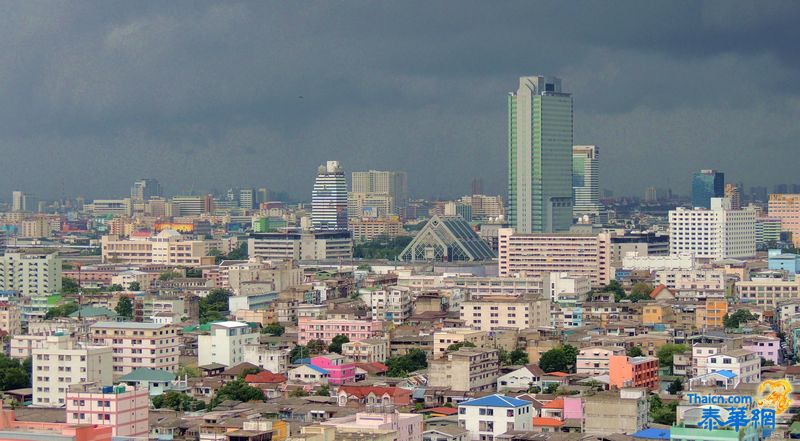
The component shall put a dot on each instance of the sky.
(212, 95)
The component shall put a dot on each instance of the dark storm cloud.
(206, 95)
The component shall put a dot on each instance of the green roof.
(54, 299)
(91, 311)
(147, 374)
(795, 427)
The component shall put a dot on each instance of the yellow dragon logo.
(777, 395)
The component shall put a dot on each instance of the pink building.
(356, 330)
(339, 370)
(13, 430)
(765, 346)
(408, 425)
(124, 408)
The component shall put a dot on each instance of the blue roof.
(317, 368)
(652, 434)
(418, 394)
(725, 373)
(496, 400)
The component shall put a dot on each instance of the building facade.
(30, 273)
(124, 408)
(491, 313)
(707, 184)
(465, 370)
(716, 233)
(586, 181)
(329, 199)
(225, 343)
(139, 345)
(325, 329)
(60, 362)
(786, 208)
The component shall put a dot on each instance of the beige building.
(367, 228)
(61, 362)
(10, 318)
(367, 351)
(448, 336)
(536, 254)
(30, 273)
(301, 245)
(277, 276)
(595, 360)
(492, 312)
(466, 370)
(167, 247)
(786, 207)
(485, 207)
(35, 228)
(768, 292)
(624, 411)
(139, 345)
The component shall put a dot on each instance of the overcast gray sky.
(206, 95)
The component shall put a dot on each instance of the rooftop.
(129, 325)
(496, 400)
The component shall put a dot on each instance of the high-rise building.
(389, 186)
(262, 195)
(786, 208)
(733, 193)
(707, 184)
(715, 233)
(585, 180)
(540, 156)
(329, 199)
(30, 273)
(21, 201)
(144, 189)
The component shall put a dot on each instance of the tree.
(195, 273)
(737, 318)
(554, 360)
(615, 288)
(666, 352)
(62, 310)
(177, 401)
(551, 388)
(518, 357)
(382, 247)
(214, 306)
(134, 286)
(324, 391)
(316, 347)
(401, 366)
(635, 351)
(299, 392)
(661, 413)
(273, 329)
(124, 307)
(675, 387)
(765, 362)
(168, 275)
(69, 286)
(462, 344)
(572, 356)
(116, 287)
(187, 371)
(14, 374)
(337, 342)
(640, 291)
(298, 352)
(237, 390)
(248, 371)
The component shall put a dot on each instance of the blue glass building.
(707, 184)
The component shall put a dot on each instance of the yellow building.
(711, 314)
(656, 313)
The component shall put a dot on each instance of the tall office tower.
(144, 189)
(247, 198)
(732, 192)
(262, 195)
(707, 184)
(540, 156)
(391, 186)
(329, 199)
(477, 186)
(21, 201)
(586, 180)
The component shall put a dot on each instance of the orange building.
(656, 313)
(627, 371)
(712, 314)
(786, 207)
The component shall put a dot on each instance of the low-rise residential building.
(308, 374)
(367, 351)
(340, 371)
(521, 379)
(711, 314)
(139, 345)
(637, 372)
(488, 417)
(624, 411)
(594, 360)
(492, 312)
(273, 360)
(61, 362)
(767, 347)
(10, 318)
(378, 423)
(123, 407)
(225, 343)
(466, 370)
(443, 338)
(325, 329)
(393, 304)
(744, 364)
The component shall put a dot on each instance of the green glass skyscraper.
(540, 156)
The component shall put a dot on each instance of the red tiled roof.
(547, 422)
(373, 367)
(558, 403)
(265, 377)
(443, 410)
(557, 374)
(658, 290)
(401, 397)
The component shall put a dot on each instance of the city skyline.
(142, 91)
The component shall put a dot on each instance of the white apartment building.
(30, 273)
(745, 364)
(305, 245)
(577, 254)
(448, 336)
(680, 261)
(488, 417)
(139, 345)
(273, 360)
(225, 344)
(716, 233)
(595, 360)
(61, 362)
(168, 247)
(392, 304)
(490, 313)
(563, 288)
